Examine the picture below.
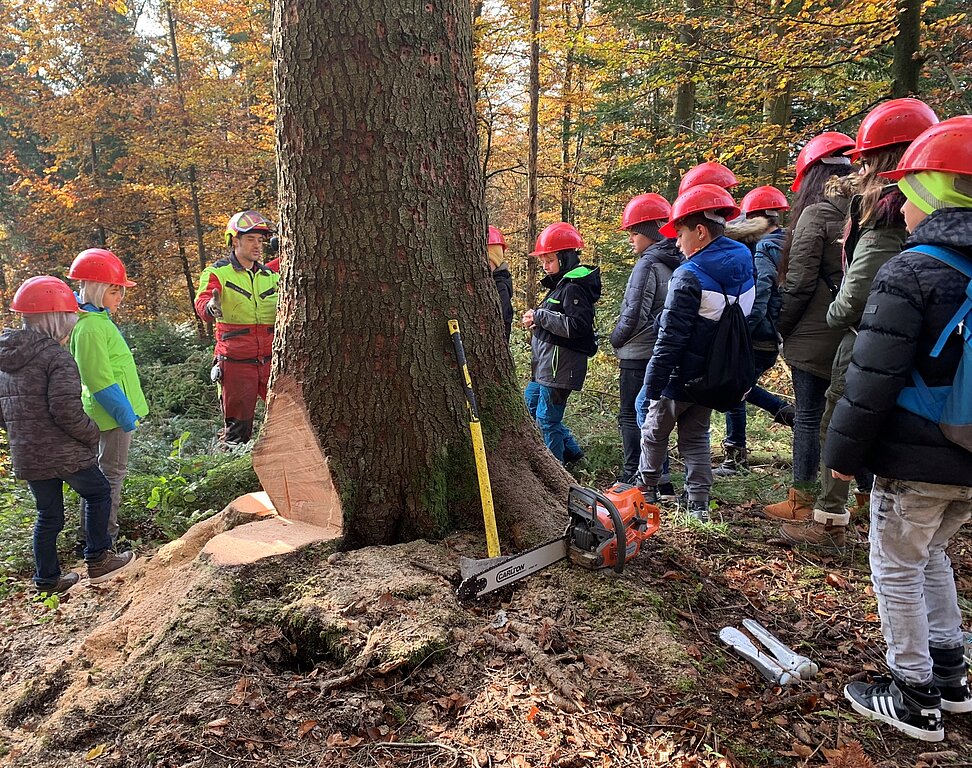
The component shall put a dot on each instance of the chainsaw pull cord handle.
(620, 534)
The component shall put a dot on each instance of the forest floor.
(366, 658)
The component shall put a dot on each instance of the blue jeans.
(547, 406)
(91, 485)
(761, 398)
(810, 392)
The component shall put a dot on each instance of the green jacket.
(104, 359)
(874, 247)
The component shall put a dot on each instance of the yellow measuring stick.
(476, 430)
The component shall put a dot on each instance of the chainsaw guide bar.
(604, 530)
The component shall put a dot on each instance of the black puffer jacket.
(912, 299)
(504, 287)
(50, 435)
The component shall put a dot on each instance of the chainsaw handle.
(620, 532)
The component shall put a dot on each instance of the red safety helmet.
(246, 221)
(765, 198)
(826, 144)
(702, 197)
(101, 266)
(898, 121)
(44, 294)
(495, 237)
(945, 147)
(646, 207)
(708, 173)
(558, 237)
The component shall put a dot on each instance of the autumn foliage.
(144, 127)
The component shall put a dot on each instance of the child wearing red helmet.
(111, 390)
(496, 252)
(910, 359)
(563, 337)
(52, 440)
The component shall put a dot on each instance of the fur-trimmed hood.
(748, 231)
(842, 186)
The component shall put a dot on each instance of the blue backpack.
(951, 406)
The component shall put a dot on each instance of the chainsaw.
(604, 530)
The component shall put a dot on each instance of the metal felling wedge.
(766, 665)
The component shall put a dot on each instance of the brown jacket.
(813, 277)
(49, 433)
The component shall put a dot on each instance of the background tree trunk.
(383, 240)
(533, 152)
(684, 117)
(907, 64)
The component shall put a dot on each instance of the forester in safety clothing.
(240, 294)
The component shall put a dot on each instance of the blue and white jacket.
(692, 310)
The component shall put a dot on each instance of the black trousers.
(632, 379)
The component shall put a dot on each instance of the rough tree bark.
(907, 64)
(383, 240)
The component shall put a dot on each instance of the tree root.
(354, 671)
(567, 694)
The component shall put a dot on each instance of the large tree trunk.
(383, 240)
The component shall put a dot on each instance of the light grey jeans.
(911, 524)
(113, 447)
(692, 420)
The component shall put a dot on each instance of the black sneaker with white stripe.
(914, 711)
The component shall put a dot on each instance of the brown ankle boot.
(824, 531)
(797, 508)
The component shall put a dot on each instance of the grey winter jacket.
(634, 335)
(911, 300)
(812, 277)
(49, 433)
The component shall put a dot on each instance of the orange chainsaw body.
(638, 518)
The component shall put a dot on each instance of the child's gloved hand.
(130, 427)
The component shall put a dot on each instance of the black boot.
(736, 460)
(237, 431)
(785, 416)
(951, 675)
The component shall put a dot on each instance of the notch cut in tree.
(383, 239)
